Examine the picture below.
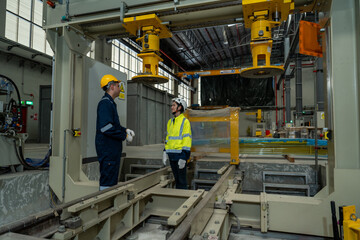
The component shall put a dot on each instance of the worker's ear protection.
(179, 105)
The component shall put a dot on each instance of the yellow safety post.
(351, 225)
(258, 115)
(149, 30)
(234, 136)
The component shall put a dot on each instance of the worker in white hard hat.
(109, 133)
(178, 142)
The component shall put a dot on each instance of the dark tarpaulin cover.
(235, 91)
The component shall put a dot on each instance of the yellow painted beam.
(133, 24)
(211, 72)
(209, 119)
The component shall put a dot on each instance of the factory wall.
(308, 78)
(148, 113)
(153, 110)
(28, 77)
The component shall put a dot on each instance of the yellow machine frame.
(351, 225)
(258, 115)
(234, 130)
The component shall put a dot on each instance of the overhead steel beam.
(105, 18)
(197, 46)
(108, 12)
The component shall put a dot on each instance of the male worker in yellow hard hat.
(178, 142)
(109, 133)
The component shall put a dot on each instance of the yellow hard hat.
(106, 79)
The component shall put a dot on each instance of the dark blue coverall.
(108, 141)
(179, 174)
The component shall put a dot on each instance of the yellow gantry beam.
(210, 72)
(133, 24)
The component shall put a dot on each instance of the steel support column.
(65, 173)
(287, 81)
(298, 85)
(195, 95)
(103, 51)
(2, 18)
(320, 85)
(298, 73)
(287, 100)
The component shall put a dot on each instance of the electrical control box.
(320, 119)
(1, 106)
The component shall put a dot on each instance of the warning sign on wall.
(122, 91)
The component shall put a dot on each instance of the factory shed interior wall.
(235, 91)
(28, 78)
(215, 87)
(148, 111)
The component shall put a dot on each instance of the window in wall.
(168, 86)
(39, 36)
(126, 60)
(23, 24)
(184, 92)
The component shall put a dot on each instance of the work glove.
(129, 138)
(181, 163)
(130, 132)
(165, 157)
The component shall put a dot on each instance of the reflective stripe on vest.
(179, 131)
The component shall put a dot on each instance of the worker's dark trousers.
(179, 174)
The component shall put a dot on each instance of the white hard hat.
(181, 102)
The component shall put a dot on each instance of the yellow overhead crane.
(257, 114)
(261, 16)
(149, 30)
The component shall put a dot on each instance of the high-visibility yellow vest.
(178, 135)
